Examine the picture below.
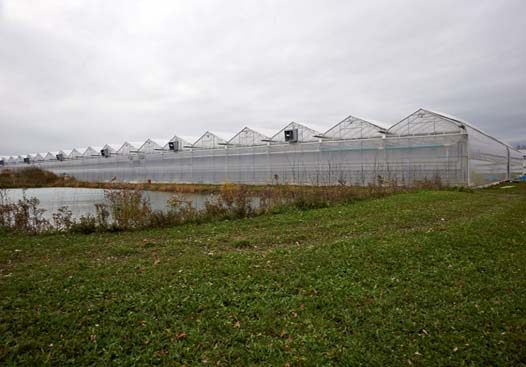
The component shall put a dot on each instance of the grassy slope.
(428, 278)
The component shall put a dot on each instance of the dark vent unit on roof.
(27, 160)
(174, 146)
(291, 136)
(105, 152)
(60, 157)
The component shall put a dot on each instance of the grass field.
(424, 278)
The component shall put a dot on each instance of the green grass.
(423, 278)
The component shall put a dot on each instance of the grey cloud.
(81, 73)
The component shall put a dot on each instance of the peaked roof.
(425, 121)
(112, 147)
(304, 133)
(91, 151)
(183, 142)
(50, 156)
(248, 137)
(157, 144)
(75, 153)
(132, 145)
(35, 156)
(353, 127)
(464, 122)
(208, 141)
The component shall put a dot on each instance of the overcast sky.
(77, 73)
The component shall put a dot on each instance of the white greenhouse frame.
(424, 146)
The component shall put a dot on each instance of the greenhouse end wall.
(398, 160)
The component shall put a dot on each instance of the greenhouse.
(129, 148)
(247, 137)
(153, 145)
(34, 157)
(109, 149)
(75, 153)
(64, 154)
(481, 158)
(176, 144)
(50, 156)
(92, 152)
(353, 128)
(295, 133)
(209, 141)
(424, 146)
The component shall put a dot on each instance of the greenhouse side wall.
(488, 159)
(397, 160)
(517, 163)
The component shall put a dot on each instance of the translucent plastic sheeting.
(354, 128)
(248, 137)
(423, 122)
(517, 163)
(305, 134)
(426, 145)
(402, 160)
(488, 159)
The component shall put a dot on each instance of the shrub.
(23, 216)
(32, 177)
(128, 208)
(86, 224)
(62, 219)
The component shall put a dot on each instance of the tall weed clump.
(178, 211)
(121, 210)
(22, 216)
(128, 208)
(232, 202)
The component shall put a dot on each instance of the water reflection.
(81, 201)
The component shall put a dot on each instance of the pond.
(81, 201)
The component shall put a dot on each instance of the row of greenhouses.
(424, 146)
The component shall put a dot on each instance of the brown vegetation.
(125, 206)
